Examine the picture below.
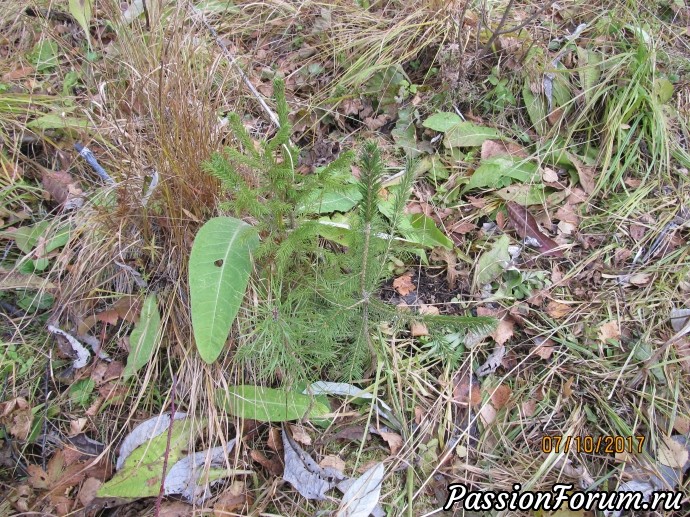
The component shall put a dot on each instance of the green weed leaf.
(219, 268)
(81, 10)
(44, 55)
(492, 262)
(55, 121)
(142, 471)
(500, 171)
(142, 340)
(270, 405)
(442, 122)
(327, 202)
(459, 133)
(536, 108)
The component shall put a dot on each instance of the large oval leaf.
(270, 405)
(219, 269)
(142, 340)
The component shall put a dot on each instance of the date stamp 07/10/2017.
(460, 495)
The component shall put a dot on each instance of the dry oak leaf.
(394, 441)
(300, 435)
(544, 350)
(232, 499)
(466, 390)
(609, 330)
(557, 310)
(274, 465)
(418, 329)
(403, 284)
(334, 462)
(504, 331)
(501, 395)
(17, 416)
(529, 407)
(491, 148)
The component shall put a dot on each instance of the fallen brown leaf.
(403, 284)
(585, 173)
(17, 416)
(609, 330)
(418, 329)
(526, 226)
(504, 331)
(501, 395)
(300, 435)
(568, 387)
(235, 498)
(394, 441)
(332, 461)
(274, 465)
(558, 310)
(492, 148)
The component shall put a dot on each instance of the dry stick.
(233, 62)
(159, 499)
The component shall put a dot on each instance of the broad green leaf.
(27, 237)
(219, 267)
(500, 171)
(328, 202)
(492, 262)
(536, 108)
(55, 121)
(44, 55)
(467, 134)
(81, 10)
(142, 340)
(421, 229)
(270, 405)
(663, 89)
(589, 71)
(80, 392)
(405, 134)
(34, 302)
(523, 194)
(442, 122)
(142, 471)
(335, 228)
(459, 133)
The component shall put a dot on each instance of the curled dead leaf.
(403, 284)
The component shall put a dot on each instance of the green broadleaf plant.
(318, 311)
(142, 340)
(270, 405)
(219, 267)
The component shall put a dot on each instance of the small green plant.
(500, 96)
(317, 313)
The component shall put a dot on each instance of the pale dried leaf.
(609, 330)
(360, 499)
(671, 453)
(403, 284)
(304, 474)
(504, 331)
(492, 362)
(394, 441)
(143, 433)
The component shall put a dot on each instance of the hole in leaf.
(219, 262)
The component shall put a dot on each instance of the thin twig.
(233, 62)
(159, 499)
